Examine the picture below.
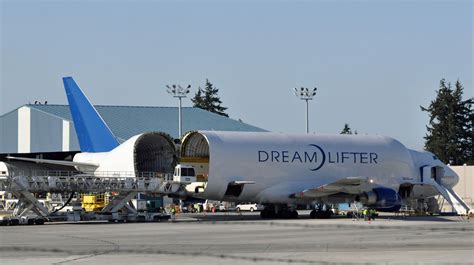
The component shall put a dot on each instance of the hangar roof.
(127, 121)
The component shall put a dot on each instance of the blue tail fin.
(92, 132)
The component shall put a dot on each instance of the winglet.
(92, 132)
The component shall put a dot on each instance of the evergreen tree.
(450, 130)
(208, 99)
(347, 129)
(464, 125)
(198, 99)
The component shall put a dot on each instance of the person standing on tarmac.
(366, 214)
(173, 213)
(372, 214)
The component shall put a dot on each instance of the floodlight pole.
(179, 92)
(180, 120)
(305, 94)
(307, 116)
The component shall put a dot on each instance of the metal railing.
(64, 173)
(68, 181)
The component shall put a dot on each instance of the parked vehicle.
(184, 174)
(249, 206)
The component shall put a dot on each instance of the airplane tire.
(294, 214)
(266, 214)
(286, 214)
(323, 214)
(320, 214)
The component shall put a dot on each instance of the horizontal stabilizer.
(54, 162)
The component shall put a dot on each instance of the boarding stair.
(458, 204)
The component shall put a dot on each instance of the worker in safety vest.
(366, 214)
(372, 213)
(173, 212)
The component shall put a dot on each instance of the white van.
(249, 206)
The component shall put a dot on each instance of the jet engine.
(382, 199)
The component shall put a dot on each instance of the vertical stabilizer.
(92, 132)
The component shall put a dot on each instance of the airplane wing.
(54, 162)
(350, 185)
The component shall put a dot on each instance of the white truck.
(184, 174)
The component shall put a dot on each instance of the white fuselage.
(284, 164)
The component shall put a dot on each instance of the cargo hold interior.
(195, 153)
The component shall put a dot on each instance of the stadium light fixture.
(306, 94)
(179, 92)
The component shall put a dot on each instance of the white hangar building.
(35, 128)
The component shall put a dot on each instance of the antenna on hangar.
(306, 94)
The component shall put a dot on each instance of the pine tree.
(210, 101)
(197, 100)
(450, 130)
(464, 125)
(347, 129)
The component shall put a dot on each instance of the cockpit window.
(435, 158)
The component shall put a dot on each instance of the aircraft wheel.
(323, 214)
(294, 214)
(267, 214)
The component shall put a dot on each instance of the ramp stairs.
(458, 204)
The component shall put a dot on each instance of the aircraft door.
(428, 172)
(405, 191)
(433, 173)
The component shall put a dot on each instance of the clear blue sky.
(374, 62)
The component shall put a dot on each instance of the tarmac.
(244, 239)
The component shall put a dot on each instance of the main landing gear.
(321, 211)
(272, 211)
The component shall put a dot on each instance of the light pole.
(178, 92)
(306, 94)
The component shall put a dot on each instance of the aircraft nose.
(456, 177)
(450, 177)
